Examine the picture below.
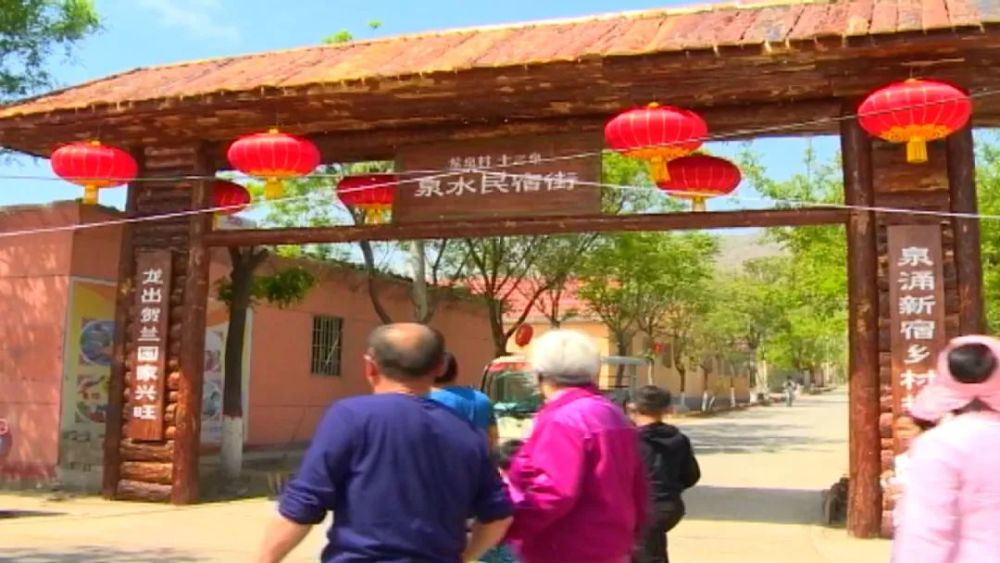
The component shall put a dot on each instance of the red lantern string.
(699, 177)
(93, 166)
(371, 194)
(275, 157)
(914, 112)
(657, 134)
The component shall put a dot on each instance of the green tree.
(637, 282)
(30, 30)
(538, 268)
(988, 189)
(813, 279)
(241, 290)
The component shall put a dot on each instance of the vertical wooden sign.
(917, 309)
(149, 338)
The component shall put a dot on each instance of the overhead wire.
(425, 175)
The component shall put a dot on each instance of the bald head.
(406, 351)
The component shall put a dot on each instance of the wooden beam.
(968, 262)
(192, 355)
(865, 495)
(531, 226)
(123, 301)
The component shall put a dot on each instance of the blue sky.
(149, 32)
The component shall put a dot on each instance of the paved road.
(760, 496)
(759, 501)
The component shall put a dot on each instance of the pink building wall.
(35, 273)
(285, 400)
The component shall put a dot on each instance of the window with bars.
(326, 338)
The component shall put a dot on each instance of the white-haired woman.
(580, 471)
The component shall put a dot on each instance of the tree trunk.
(496, 328)
(682, 372)
(371, 271)
(419, 295)
(241, 276)
(623, 348)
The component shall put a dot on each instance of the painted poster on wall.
(86, 373)
(215, 359)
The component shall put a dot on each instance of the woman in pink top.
(584, 495)
(951, 505)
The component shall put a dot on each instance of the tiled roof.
(626, 34)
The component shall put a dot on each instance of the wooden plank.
(148, 472)
(968, 262)
(140, 491)
(192, 354)
(150, 333)
(865, 495)
(916, 309)
(962, 13)
(531, 226)
(139, 451)
(114, 418)
(524, 176)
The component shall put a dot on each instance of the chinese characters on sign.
(500, 177)
(146, 389)
(916, 298)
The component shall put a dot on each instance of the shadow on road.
(753, 438)
(94, 554)
(771, 506)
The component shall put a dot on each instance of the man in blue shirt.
(401, 473)
(466, 402)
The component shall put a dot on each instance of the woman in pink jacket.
(951, 504)
(584, 495)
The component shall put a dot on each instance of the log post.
(968, 265)
(123, 301)
(865, 495)
(192, 353)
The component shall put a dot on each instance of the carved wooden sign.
(149, 337)
(508, 177)
(917, 309)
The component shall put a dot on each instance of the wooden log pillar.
(192, 356)
(160, 462)
(114, 417)
(865, 495)
(968, 264)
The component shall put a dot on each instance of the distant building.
(722, 382)
(57, 292)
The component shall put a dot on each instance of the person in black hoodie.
(669, 457)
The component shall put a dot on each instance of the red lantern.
(229, 198)
(372, 194)
(523, 335)
(93, 166)
(699, 177)
(915, 112)
(656, 133)
(274, 157)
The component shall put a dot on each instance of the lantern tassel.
(90, 194)
(698, 204)
(273, 189)
(658, 169)
(916, 151)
